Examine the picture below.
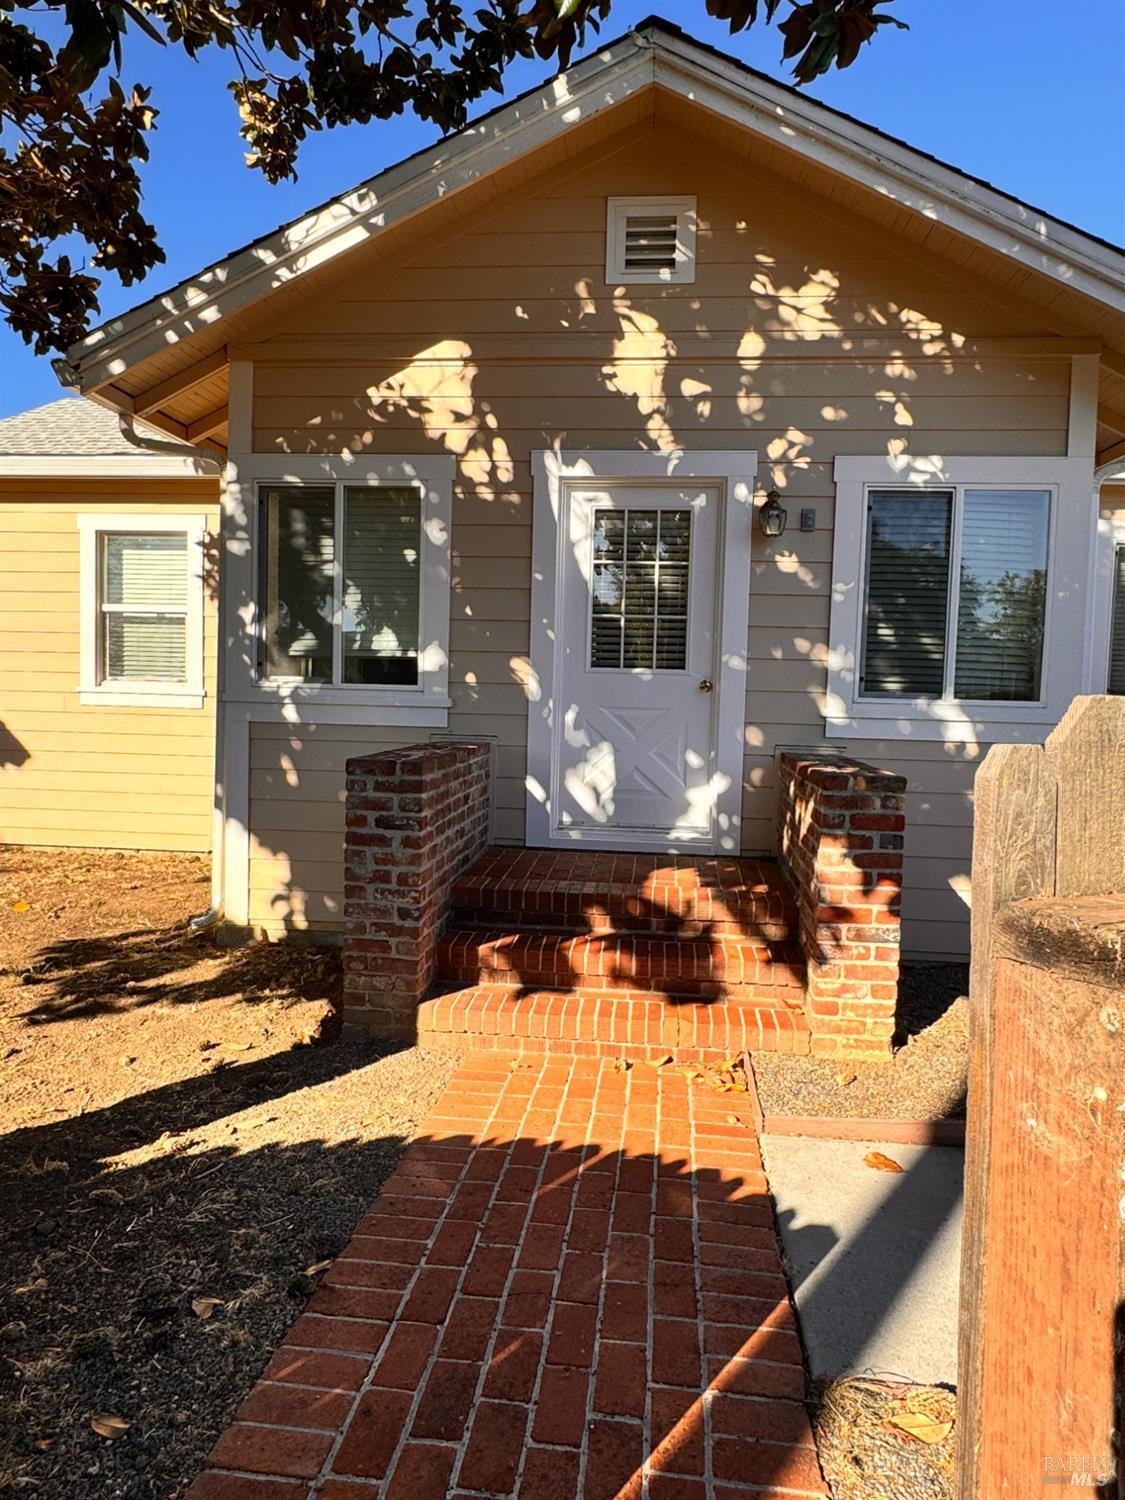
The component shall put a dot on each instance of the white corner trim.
(156, 694)
(552, 471)
(619, 210)
(1068, 578)
(1082, 411)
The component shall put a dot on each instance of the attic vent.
(650, 240)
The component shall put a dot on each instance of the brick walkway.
(570, 1287)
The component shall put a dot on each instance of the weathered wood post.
(1043, 1260)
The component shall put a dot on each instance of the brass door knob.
(706, 686)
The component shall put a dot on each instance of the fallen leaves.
(621, 1065)
(316, 1269)
(881, 1163)
(203, 1307)
(21, 905)
(659, 1062)
(109, 1426)
(921, 1425)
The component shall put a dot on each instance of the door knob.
(706, 686)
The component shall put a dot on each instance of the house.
(659, 419)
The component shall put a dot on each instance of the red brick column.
(415, 818)
(841, 828)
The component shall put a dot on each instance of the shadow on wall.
(806, 335)
(12, 751)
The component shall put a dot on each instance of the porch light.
(773, 515)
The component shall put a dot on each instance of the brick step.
(712, 968)
(604, 893)
(579, 1024)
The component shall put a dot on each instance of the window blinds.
(1002, 597)
(144, 607)
(907, 593)
(381, 593)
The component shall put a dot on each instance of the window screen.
(298, 559)
(382, 553)
(143, 607)
(1117, 639)
(1003, 595)
(908, 538)
(639, 596)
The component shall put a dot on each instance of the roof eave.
(661, 56)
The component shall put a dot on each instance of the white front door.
(635, 721)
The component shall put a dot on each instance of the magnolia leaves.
(881, 1163)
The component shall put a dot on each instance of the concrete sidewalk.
(873, 1256)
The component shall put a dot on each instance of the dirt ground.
(180, 1125)
(927, 1078)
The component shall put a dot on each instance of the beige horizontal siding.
(498, 336)
(72, 774)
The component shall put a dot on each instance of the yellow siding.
(71, 774)
(500, 337)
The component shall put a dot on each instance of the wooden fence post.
(1048, 823)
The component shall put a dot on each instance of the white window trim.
(1068, 480)
(1111, 536)
(117, 694)
(553, 472)
(424, 705)
(617, 212)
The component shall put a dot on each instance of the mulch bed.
(182, 1128)
(927, 1079)
(879, 1440)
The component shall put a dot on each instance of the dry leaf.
(203, 1307)
(659, 1062)
(621, 1065)
(843, 1079)
(21, 905)
(920, 1425)
(108, 1426)
(733, 1120)
(45, 1444)
(315, 1270)
(881, 1163)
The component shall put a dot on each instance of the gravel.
(927, 1079)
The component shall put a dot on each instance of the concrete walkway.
(874, 1256)
(570, 1287)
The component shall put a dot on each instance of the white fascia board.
(897, 172)
(85, 466)
(603, 80)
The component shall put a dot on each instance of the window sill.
(120, 696)
(296, 703)
(938, 722)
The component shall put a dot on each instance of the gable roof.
(51, 437)
(1079, 270)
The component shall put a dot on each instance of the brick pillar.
(415, 818)
(841, 828)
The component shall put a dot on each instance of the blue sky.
(1025, 93)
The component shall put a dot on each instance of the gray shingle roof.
(84, 429)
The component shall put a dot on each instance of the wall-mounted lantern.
(773, 515)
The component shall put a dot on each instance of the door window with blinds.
(142, 605)
(639, 594)
(341, 583)
(955, 596)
